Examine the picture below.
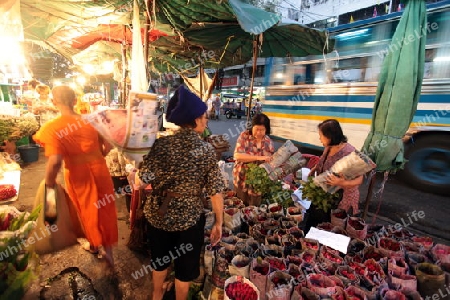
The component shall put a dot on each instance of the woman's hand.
(216, 234)
(334, 180)
(266, 158)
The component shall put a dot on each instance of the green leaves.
(271, 191)
(318, 197)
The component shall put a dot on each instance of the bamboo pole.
(146, 38)
(252, 80)
(369, 194)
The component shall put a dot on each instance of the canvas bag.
(68, 224)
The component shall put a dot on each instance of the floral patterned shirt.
(350, 196)
(246, 143)
(184, 164)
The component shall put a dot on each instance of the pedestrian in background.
(86, 176)
(180, 168)
(217, 104)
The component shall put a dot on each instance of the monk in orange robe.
(73, 140)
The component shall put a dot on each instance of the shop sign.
(230, 81)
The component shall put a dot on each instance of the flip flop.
(87, 246)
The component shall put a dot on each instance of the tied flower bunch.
(27, 124)
(271, 190)
(9, 130)
(318, 197)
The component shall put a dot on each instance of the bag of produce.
(398, 281)
(298, 278)
(360, 269)
(309, 256)
(397, 266)
(249, 213)
(393, 295)
(310, 244)
(273, 240)
(240, 288)
(441, 253)
(208, 258)
(259, 270)
(321, 284)
(240, 265)
(289, 223)
(411, 247)
(414, 258)
(351, 166)
(390, 247)
(354, 293)
(430, 278)
(229, 242)
(279, 286)
(374, 271)
(276, 263)
(356, 228)
(232, 218)
(307, 294)
(220, 270)
(327, 226)
(410, 294)
(425, 241)
(347, 275)
(295, 212)
(330, 256)
(339, 217)
(296, 232)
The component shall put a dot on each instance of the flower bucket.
(29, 153)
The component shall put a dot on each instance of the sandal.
(87, 246)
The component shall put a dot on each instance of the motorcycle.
(234, 112)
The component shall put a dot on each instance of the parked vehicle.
(342, 85)
(234, 112)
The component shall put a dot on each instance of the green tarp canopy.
(225, 27)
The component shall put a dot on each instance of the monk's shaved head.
(64, 95)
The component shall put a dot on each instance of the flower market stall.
(265, 253)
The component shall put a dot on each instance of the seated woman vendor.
(252, 146)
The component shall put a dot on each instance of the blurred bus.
(302, 92)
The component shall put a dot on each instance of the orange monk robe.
(86, 175)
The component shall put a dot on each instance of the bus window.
(438, 65)
(346, 70)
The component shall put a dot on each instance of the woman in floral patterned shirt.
(180, 168)
(252, 146)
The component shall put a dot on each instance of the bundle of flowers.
(15, 270)
(240, 288)
(27, 124)
(371, 269)
(339, 217)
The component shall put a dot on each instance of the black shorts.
(184, 247)
(120, 184)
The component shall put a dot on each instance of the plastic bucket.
(29, 153)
